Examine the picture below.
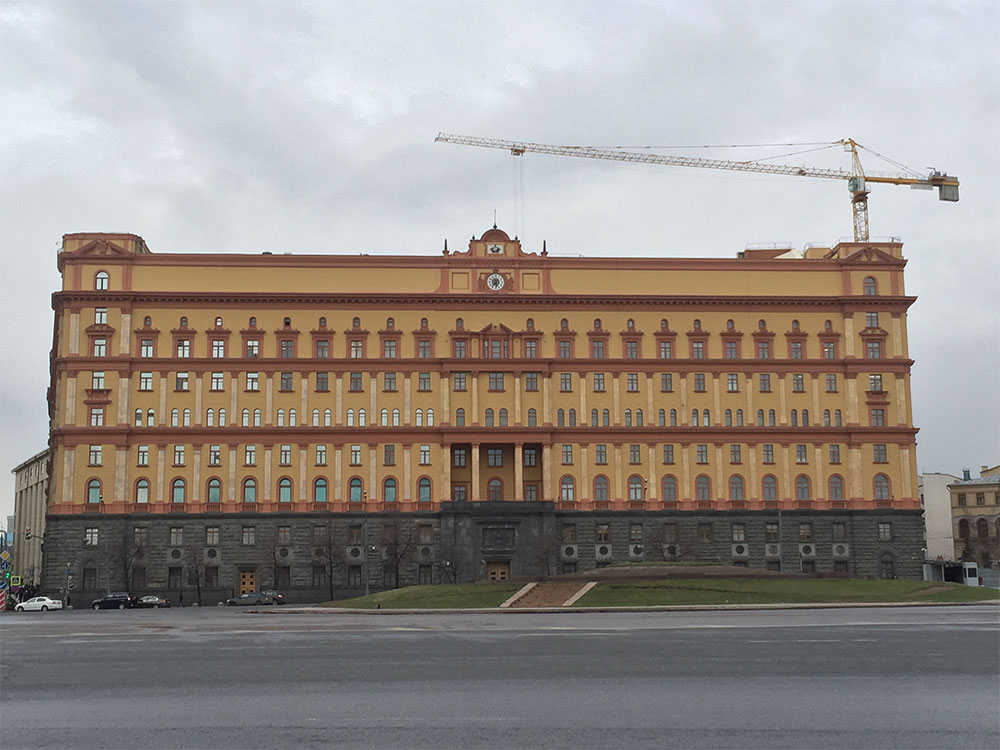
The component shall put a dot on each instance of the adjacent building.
(330, 423)
(31, 484)
(935, 498)
(975, 510)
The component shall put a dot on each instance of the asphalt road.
(204, 678)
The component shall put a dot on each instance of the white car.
(37, 603)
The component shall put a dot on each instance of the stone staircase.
(548, 594)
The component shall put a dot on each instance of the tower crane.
(857, 180)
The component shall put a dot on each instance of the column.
(547, 472)
(407, 479)
(617, 489)
(198, 401)
(518, 493)
(267, 474)
(652, 492)
(338, 461)
(474, 490)
(445, 472)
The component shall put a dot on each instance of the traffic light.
(6, 575)
(27, 534)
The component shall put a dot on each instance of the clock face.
(494, 249)
(495, 282)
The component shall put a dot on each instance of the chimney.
(966, 474)
(982, 468)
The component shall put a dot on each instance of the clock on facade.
(495, 282)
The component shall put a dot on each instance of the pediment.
(101, 246)
(869, 254)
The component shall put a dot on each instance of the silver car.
(39, 604)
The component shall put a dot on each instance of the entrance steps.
(548, 594)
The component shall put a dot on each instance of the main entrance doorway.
(248, 581)
(498, 571)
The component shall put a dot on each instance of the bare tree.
(547, 550)
(324, 551)
(196, 574)
(125, 551)
(399, 545)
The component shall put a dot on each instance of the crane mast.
(857, 180)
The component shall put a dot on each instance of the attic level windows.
(147, 322)
(287, 322)
(184, 321)
(218, 322)
(356, 323)
(101, 281)
(253, 322)
(870, 287)
(100, 315)
(322, 322)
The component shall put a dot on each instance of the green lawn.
(443, 596)
(777, 591)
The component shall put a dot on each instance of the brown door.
(498, 571)
(248, 581)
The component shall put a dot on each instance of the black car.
(250, 598)
(276, 596)
(115, 600)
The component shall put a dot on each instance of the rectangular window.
(732, 382)
(598, 382)
(218, 381)
(705, 532)
(142, 455)
(285, 536)
(459, 493)
(389, 348)
(600, 454)
(635, 533)
(699, 382)
(875, 382)
(183, 348)
(878, 417)
(670, 533)
(389, 382)
(731, 350)
(565, 349)
(286, 383)
(423, 381)
(389, 455)
(834, 453)
(174, 577)
(322, 349)
(597, 349)
(287, 349)
(634, 453)
(91, 536)
(253, 348)
(631, 350)
(178, 455)
(355, 455)
(567, 455)
(739, 532)
(425, 455)
(961, 500)
(218, 348)
(805, 532)
(321, 455)
(176, 536)
(763, 350)
(146, 348)
(356, 382)
(459, 379)
(632, 382)
(879, 453)
(531, 381)
(249, 536)
(285, 455)
(97, 416)
(461, 348)
(735, 454)
(980, 498)
(800, 454)
(357, 349)
(250, 455)
(211, 536)
(95, 455)
(798, 383)
(665, 350)
(459, 456)
(182, 381)
(771, 532)
(101, 315)
(530, 349)
(530, 457)
(319, 534)
(697, 350)
(97, 380)
(829, 350)
(795, 349)
(702, 453)
(354, 576)
(767, 452)
(871, 320)
(764, 382)
(840, 532)
(668, 453)
(831, 383)
(215, 455)
(494, 457)
(496, 381)
(666, 382)
(873, 350)
(602, 532)
(253, 381)
(566, 382)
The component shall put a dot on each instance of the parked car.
(152, 602)
(276, 596)
(250, 598)
(115, 600)
(39, 604)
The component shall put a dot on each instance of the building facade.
(326, 424)
(935, 498)
(975, 511)
(31, 485)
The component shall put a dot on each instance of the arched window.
(694, 417)
(322, 322)
(291, 417)
(760, 417)
(881, 487)
(769, 487)
(503, 417)
(728, 417)
(739, 417)
(423, 322)
(794, 421)
(805, 417)
(147, 321)
(384, 414)
(628, 417)
(101, 280)
(802, 488)
(284, 490)
(328, 417)
(222, 417)
(836, 488)
(564, 324)
(837, 420)
(600, 489)
(673, 417)
(178, 491)
(186, 417)
(138, 417)
(390, 324)
(210, 418)
(703, 488)
(253, 322)
(826, 417)
(395, 417)
(214, 490)
(530, 324)
(606, 418)
(424, 490)
(389, 490)
(418, 417)
(795, 325)
(669, 487)
(175, 417)
(661, 418)
(356, 323)
(494, 490)
(963, 529)
(315, 417)
(150, 418)
(430, 417)
(142, 491)
(350, 417)
(567, 489)
(635, 488)
(355, 490)
(490, 418)
(250, 490)
(871, 288)
(638, 417)
(320, 490)
(697, 324)
(982, 529)
(597, 324)
(281, 417)
(459, 324)
(706, 420)
(572, 417)
(594, 418)
(362, 418)
(184, 321)
(735, 487)
(761, 325)
(770, 418)
(256, 417)
(560, 417)
(460, 417)
(664, 325)
(532, 418)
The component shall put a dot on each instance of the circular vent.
(739, 549)
(212, 553)
(603, 550)
(841, 549)
(283, 552)
(319, 552)
(807, 549)
(425, 551)
(175, 553)
(355, 552)
(568, 551)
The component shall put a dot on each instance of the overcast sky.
(309, 127)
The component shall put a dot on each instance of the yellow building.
(483, 413)
(975, 513)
